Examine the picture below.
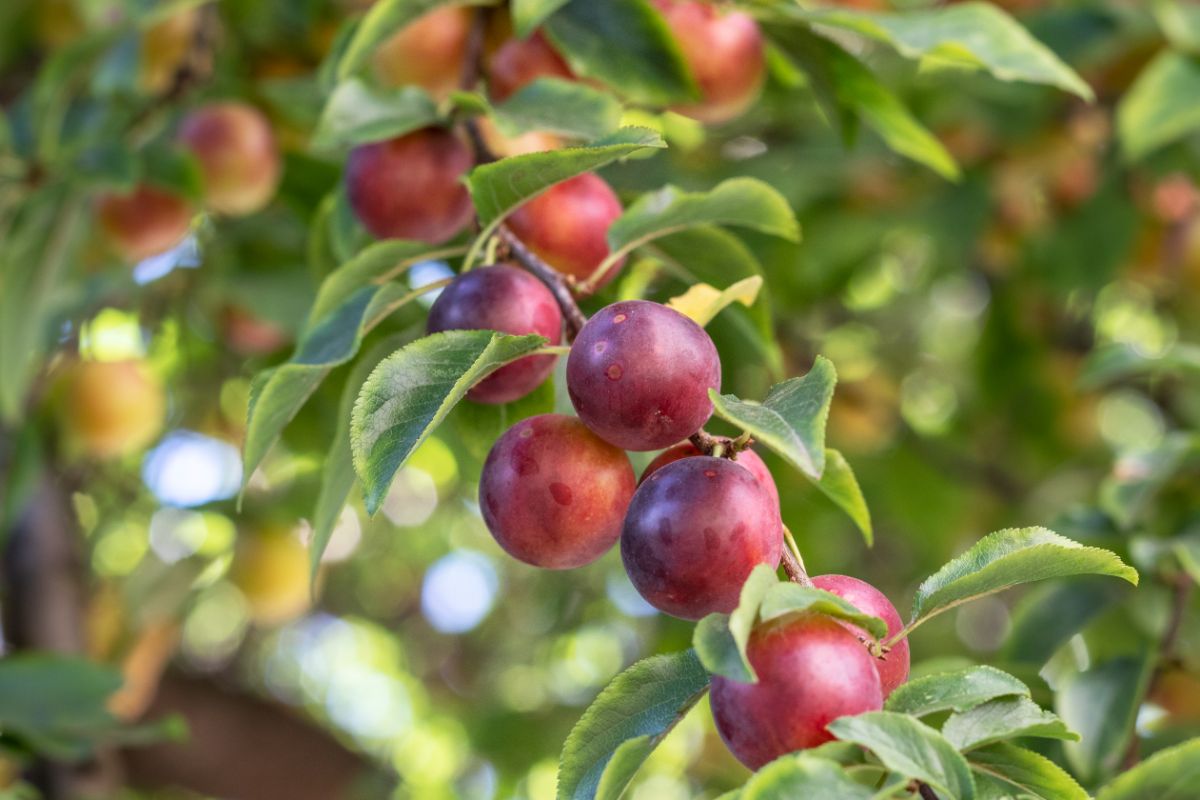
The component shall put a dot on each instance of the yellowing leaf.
(703, 302)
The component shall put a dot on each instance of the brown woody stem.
(555, 281)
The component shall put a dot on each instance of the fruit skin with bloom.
(410, 187)
(748, 459)
(553, 494)
(144, 222)
(639, 374)
(112, 408)
(238, 156)
(428, 52)
(724, 51)
(567, 226)
(811, 670)
(695, 530)
(519, 62)
(507, 299)
(893, 666)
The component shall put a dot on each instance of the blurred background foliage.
(1016, 347)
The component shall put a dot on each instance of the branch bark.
(554, 280)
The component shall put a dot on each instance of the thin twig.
(719, 446)
(794, 569)
(472, 71)
(555, 281)
(927, 792)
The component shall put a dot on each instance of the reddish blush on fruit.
(506, 299)
(553, 494)
(893, 665)
(747, 459)
(238, 156)
(410, 187)
(144, 222)
(567, 226)
(428, 52)
(695, 530)
(639, 374)
(811, 670)
(519, 62)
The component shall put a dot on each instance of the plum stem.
(472, 70)
(555, 281)
(926, 791)
(719, 446)
(793, 562)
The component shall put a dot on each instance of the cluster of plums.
(559, 491)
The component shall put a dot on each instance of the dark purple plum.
(893, 666)
(639, 374)
(553, 494)
(506, 299)
(695, 530)
(811, 670)
(747, 458)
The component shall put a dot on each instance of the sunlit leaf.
(1005, 718)
(702, 302)
(1159, 108)
(954, 691)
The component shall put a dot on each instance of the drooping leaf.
(911, 748)
(720, 639)
(622, 726)
(337, 471)
(954, 691)
(1004, 718)
(852, 91)
(357, 113)
(349, 303)
(1171, 774)
(1102, 703)
(1008, 558)
(976, 34)
(1004, 770)
(702, 302)
(791, 419)
(838, 483)
(410, 393)
(742, 202)
(1159, 109)
(625, 44)
(803, 775)
(567, 108)
(384, 18)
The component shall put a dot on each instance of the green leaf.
(349, 303)
(1120, 361)
(567, 108)
(1180, 23)
(1008, 558)
(56, 703)
(954, 691)
(911, 748)
(1171, 774)
(625, 44)
(838, 483)
(1159, 108)
(1047, 617)
(969, 34)
(720, 639)
(852, 89)
(1128, 494)
(1005, 718)
(380, 22)
(791, 420)
(410, 393)
(1102, 704)
(337, 471)
(357, 113)
(743, 202)
(498, 188)
(625, 722)
(803, 775)
(1013, 771)
(701, 303)
(529, 14)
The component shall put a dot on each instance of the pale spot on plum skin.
(526, 433)
(619, 318)
(710, 473)
(600, 347)
(561, 493)
(614, 372)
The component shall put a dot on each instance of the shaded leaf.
(528, 14)
(567, 108)
(1005, 718)
(1180, 23)
(803, 775)
(624, 723)
(954, 691)
(410, 393)
(57, 704)
(1120, 361)
(1009, 558)
(791, 419)
(1047, 617)
(625, 44)
(1004, 770)
(357, 113)
(911, 748)
(838, 483)
(1102, 705)
(720, 639)
(1137, 477)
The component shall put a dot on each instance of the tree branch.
(926, 791)
(555, 281)
(472, 71)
